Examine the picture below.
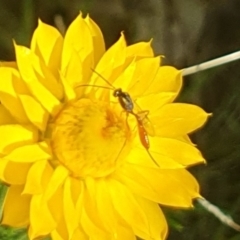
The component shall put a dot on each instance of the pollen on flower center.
(88, 138)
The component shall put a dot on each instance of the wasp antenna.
(103, 79)
(92, 85)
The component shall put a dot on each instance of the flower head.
(79, 164)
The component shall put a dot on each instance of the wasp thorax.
(124, 99)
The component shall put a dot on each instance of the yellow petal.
(108, 69)
(79, 234)
(37, 115)
(128, 208)
(61, 231)
(38, 177)
(79, 199)
(79, 38)
(48, 101)
(5, 116)
(71, 218)
(76, 189)
(140, 156)
(168, 79)
(111, 63)
(179, 151)
(105, 208)
(171, 187)
(16, 208)
(56, 181)
(3, 165)
(42, 222)
(146, 70)
(47, 43)
(127, 175)
(70, 94)
(30, 153)
(90, 203)
(72, 73)
(178, 119)
(186, 139)
(91, 229)
(153, 102)
(13, 136)
(125, 79)
(55, 235)
(55, 205)
(125, 231)
(15, 173)
(141, 49)
(8, 95)
(33, 69)
(39, 79)
(71, 69)
(157, 222)
(98, 41)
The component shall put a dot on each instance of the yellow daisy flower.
(77, 164)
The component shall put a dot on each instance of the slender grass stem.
(225, 219)
(212, 63)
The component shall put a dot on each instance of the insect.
(127, 104)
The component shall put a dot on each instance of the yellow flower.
(72, 156)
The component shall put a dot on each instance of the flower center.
(90, 138)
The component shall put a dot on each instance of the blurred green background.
(187, 32)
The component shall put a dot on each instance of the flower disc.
(88, 138)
